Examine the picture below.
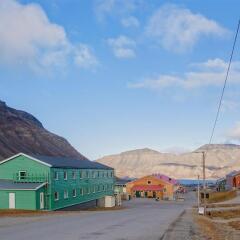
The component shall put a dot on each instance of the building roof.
(147, 188)
(233, 173)
(63, 162)
(121, 181)
(10, 185)
(166, 178)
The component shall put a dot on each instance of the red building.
(233, 180)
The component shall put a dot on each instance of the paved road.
(143, 219)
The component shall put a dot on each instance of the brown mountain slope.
(220, 160)
(22, 132)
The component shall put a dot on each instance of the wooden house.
(153, 186)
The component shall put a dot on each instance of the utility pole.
(204, 183)
(198, 194)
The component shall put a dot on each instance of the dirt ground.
(220, 225)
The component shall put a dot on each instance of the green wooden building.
(49, 183)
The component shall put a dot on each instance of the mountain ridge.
(220, 160)
(22, 132)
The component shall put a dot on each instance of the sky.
(116, 75)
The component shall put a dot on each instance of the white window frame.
(65, 175)
(65, 194)
(56, 176)
(56, 199)
(74, 192)
(74, 174)
(81, 191)
(19, 174)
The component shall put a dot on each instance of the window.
(94, 190)
(81, 191)
(87, 174)
(65, 175)
(149, 182)
(74, 174)
(56, 175)
(111, 174)
(22, 175)
(56, 196)
(80, 174)
(65, 194)
(74, 192)
(93, 174)
(98, 174)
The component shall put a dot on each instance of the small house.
(121, 188)
(233, 180)
(153, 186)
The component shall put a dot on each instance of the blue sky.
(113, 75)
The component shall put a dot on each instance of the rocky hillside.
(22, 132)
(220, 159)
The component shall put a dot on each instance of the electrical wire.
(224, 85)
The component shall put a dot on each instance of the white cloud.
(122, 46)
(178, 29)
(84, 57)
(130, 22)
(29, 38)
(115, 8)
(234, 133)
(229, 105)
(209, 73)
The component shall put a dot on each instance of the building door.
(138, 194)
(154, 194)
(12, 201)
(41, 200)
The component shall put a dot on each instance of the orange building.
(153, 186)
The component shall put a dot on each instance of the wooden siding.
(95, 184)
(168, 188)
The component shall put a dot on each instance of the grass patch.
(20, 213)
(104, 208)
(225, 214)
(210, 229)
(215, 197)
(235, 225)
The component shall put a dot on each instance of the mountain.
(220, 160)
(22, 132)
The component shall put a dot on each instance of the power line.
(225, 82)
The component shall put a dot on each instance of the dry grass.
(235, 225)
(21, 213)
(225, 214)
(210, 229)
(31, 213)
(104, 209)
(215, 197)
(223, 205)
